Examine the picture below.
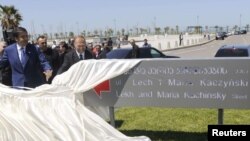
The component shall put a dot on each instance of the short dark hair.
(18, 30)
(64, 44)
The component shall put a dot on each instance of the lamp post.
(197, 20)
(155, 24)
(77, 28)
(115, 25)
(240, 22)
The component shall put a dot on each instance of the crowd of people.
(25, 64)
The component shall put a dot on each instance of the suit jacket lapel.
(27, 54)
(75, 57)
(17, 56)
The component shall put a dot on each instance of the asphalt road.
(208, 50)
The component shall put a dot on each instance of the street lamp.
(115, 25)
(240, 22)
(77, 28)
(197, 20)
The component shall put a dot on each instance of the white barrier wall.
(165, 42)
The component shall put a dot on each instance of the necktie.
(23, 56)
(81, 58)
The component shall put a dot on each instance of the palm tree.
(61, 35)
(71, 34)
(177, 29)
(206, 27)
(247, 27)
(118, 33)
(95, 32)
(105, 33)
(66, 34)
(46, 35)
(227, 28)
(88, 33)
(110, 32)
(56, 35)
(10, 17)
(50, 35)
(172, 31)
(221, 29)
(166, 29)
(149, 30)
(84, 32)
(100, 31)
(141, 30)
(157, 30)
(216, 28)
(235, 27)
(137, 30)
(131, 31)
(123, 32)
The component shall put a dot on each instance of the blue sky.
(71, 15)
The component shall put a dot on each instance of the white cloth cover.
(55, 112)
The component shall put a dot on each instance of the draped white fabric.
(89, 73)
(55, 112)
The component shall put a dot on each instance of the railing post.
(220, 116)
(112, 116)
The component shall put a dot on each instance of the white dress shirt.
(78, 54)
(19, 49)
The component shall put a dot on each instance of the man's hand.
(1, 49)
(2, 46)
(48, 74)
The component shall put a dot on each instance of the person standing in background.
(180, 39)
(146, 44)
(106, 49)
(5, 74)
(110, 43)
(118, 42)
(135, 50)
(97, 51)
(63, 49)
(54, 45)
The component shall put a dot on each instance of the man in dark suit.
(106, 49)
(78, 53)
(25, 61)
(135, 49)
(5, 74)
(52, 56)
